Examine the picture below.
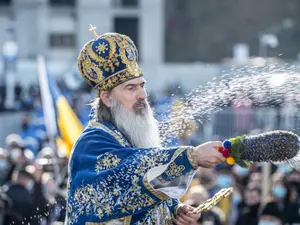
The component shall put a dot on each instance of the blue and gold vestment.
(111, 182)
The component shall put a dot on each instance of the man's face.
(252, 197)
(132, 114)
(132, 94)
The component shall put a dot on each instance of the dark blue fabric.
(107, 177)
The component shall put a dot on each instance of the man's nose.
(142, 94)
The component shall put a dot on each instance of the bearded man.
(119, 173)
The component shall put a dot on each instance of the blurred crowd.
(245, 205)
(33, 172)
(32, 188)
(24, 98)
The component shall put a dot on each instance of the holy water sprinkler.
(273, 146)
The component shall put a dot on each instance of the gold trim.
(121, 50)
(87, 65)
(108, 130)
(112, 45)
(158, 194)
(155, 192)
(93, 55)
(191, 159)
(118, 78)
(162, 213)
(178, 152)
(125, 221)
(112, 76)
(161, 179)
(132, 43)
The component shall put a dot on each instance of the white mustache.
(140, 129)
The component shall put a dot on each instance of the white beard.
(141, 129)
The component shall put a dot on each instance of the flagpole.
(47, 102)
(49, 113)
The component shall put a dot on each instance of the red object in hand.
(225, 152)
(221, 149)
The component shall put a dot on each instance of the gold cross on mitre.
(93, 30)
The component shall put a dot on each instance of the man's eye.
(130, 89)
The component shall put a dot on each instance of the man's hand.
(185, 216)
(207, 156)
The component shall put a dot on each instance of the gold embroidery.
(106, 161)
(112, 54)
(191, 159)
(113, 46)
(166, 215)
(122, 221)
(155, 192)
(120, 189)
(118, 78)
(116, 136)
(91, 71)
(161, 179)
(132, 44)
(94, 56)
(107, 64)
(159, 214)
(174, 170)
(101, 48)
(178, 152)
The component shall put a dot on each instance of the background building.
(187, 33)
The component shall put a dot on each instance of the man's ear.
(104, 96)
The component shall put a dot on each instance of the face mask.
(15, 154)
(64, 192)
(279, 191)
(224, 180)
(30, 185)
(265, 222)
(284, 169)
(241, 172)
(236, 198)
(3, 164)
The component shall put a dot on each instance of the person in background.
(241, 174)
(293, 178)
(270, 215)
(249, 213)
(284, 196)
(236, 204)
(19, 193)
(4, 166)
(256, 178)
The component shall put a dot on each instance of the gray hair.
(101, 112)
